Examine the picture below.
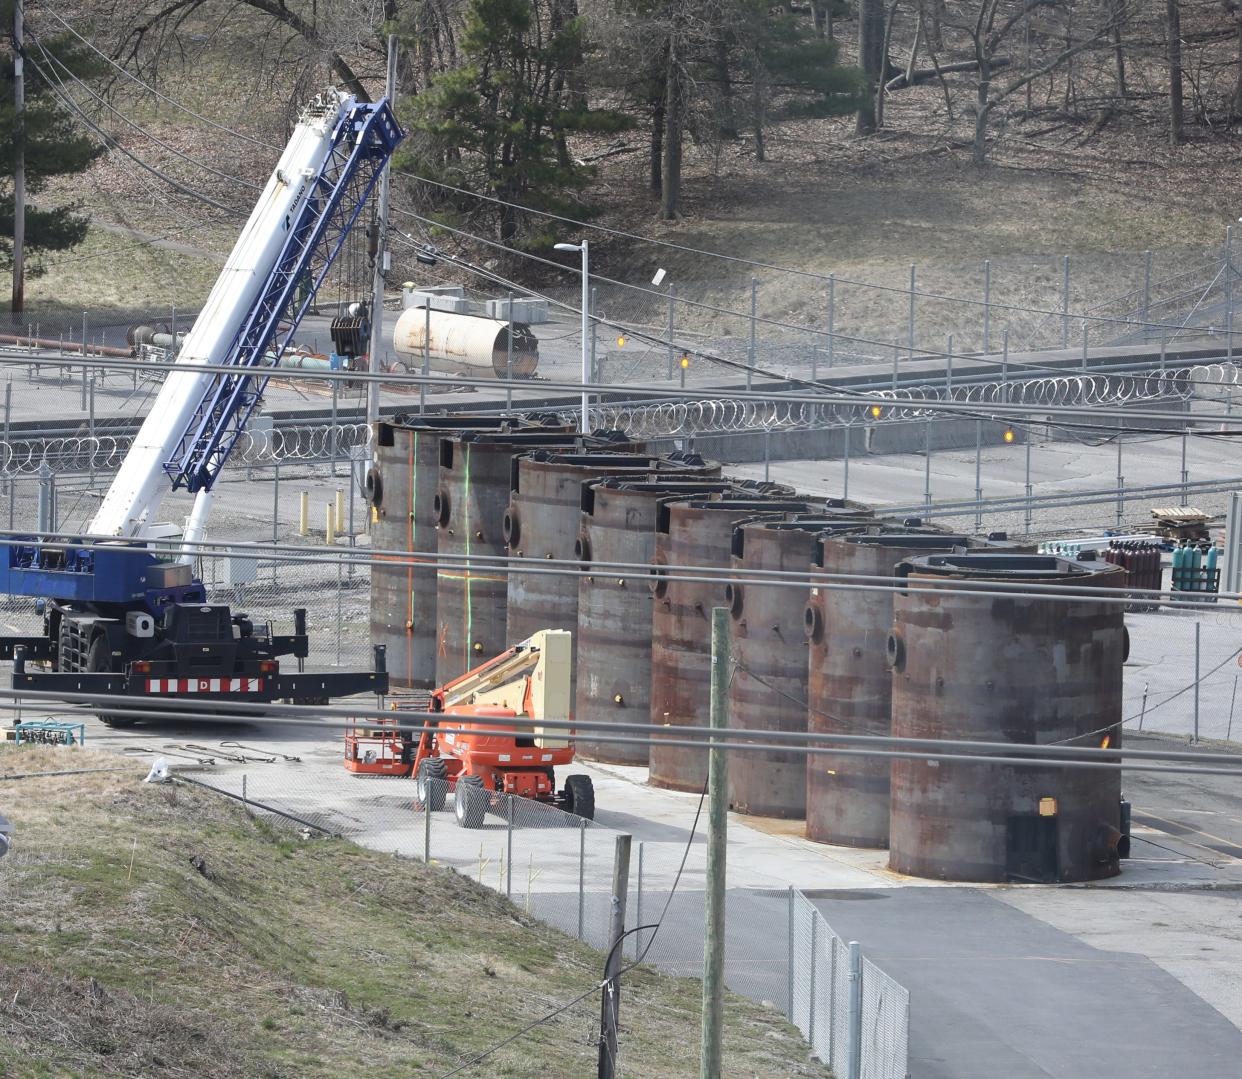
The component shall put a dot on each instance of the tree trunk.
(884, 64)
(1237, 90)
(982, 109)
(870, 59)
(660, 80)
(670, 190)
(935, 39)
(819, 14)
(720, 61)
(756, 83)
(1115, 14)
(1174, 43)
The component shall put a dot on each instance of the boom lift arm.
(491, 756)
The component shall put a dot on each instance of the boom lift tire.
(470, 802)
(99, 661)
(579, 796)
(431, 784)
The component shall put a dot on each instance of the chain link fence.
(558, 868)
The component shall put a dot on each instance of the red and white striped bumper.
(204, 685)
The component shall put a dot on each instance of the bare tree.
(327, 33)
(871, 25)
(995, 27)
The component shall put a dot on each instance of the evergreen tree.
(54, 147)
(496, 125)
(789, 62)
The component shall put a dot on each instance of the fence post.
(1198, 627)
(948, 368)
(581, 875)
(854, 1068)
(1228, 270)
(910, 312)
(670, 330)
(422, 385)
(1005, 366)
(832, 319)
(638, 903)
(1121, 480)
(927, 470)
(45, 498)
(334, 433)
(427, 828)
(245, 800)
(276, 503)
(1065, 300)
(987, 306)
(789, 955)
(1029, 507)
(594, 327)
(754, 310)
(1146, 290)
(509, 852)
(1084, 346)
(1185, 474)
(896, 359)
(845, 483)
(810, 999)
(978, 474)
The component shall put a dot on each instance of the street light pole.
(584, 248)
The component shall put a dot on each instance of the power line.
(758, 264)
(734, 739)
(151, 89)
(111, 143)
(1083, 316)
(573, 567)
(233, 177)
(655, 929)
(654, 341)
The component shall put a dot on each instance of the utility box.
(437, 297)
(525, 309)
(240, 567)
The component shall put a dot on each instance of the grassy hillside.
(160, 931)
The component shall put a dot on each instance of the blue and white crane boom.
(120, 614)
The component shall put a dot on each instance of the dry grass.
(281, 957)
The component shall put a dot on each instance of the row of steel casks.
(537, 491)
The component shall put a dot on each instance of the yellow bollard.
(304, 514)
(329, 532)
(340, 511)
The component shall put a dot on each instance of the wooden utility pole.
(1174, 46)
(381, 251)
(19, 160)
(717, 828)
(610, 1005)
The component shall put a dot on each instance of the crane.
(120, 615)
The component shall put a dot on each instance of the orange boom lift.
(530, 681)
